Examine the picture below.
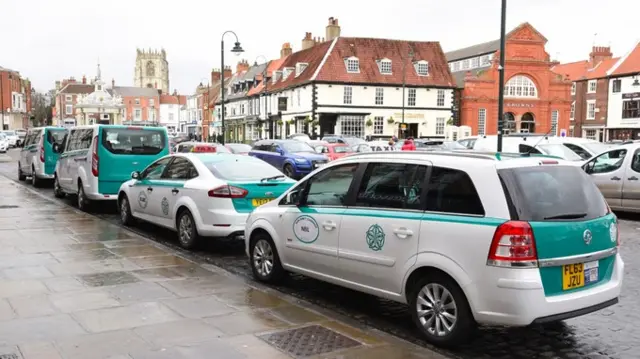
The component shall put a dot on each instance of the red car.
(332, 150)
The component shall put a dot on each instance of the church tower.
(152, 70)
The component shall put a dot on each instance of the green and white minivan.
(37, 158)
(95, 160)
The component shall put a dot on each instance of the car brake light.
(227, 191)
(513, 245)
(94, 157)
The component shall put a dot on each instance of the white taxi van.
(463, 238)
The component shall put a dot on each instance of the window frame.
(164, 174)
(595, 86)
(303, 188)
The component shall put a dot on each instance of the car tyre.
(83, 202)
(187, 230)
(452, 323)
(124, 208)
(265, 260)
(35, 181)
(288, 171)
(21, 175)
(57, 190)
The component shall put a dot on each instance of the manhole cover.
(9, 356)
(308, 341)
(7, 206)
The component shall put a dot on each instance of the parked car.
(294, 158)
(332, 150)
(348, 140)
(4, 143)
(238, 148)
(200, 194)
(95, 160)
(463, 238)
(190, 146)
(12, 136)
(37, 158)
(378, 146)
(299, 137)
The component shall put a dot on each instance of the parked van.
(95, 160)
(37, 158)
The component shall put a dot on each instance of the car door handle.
(403, 232)
(615, 178)
(79, 159)
(329, 225)
(633, 178)
(175, 191)
(149, 189)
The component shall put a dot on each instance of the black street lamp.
(404, 80)
(237, 49)
(503, 25)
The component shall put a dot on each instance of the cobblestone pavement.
(605, 334)
(75, 286)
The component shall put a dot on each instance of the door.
(66, 158)
(26, 154)
(170, 188)
(631, 183)
(277, 156)
(79, 160)
(142, 194)
(607, 173)
(312, 229)
(379, 234)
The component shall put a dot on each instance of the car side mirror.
(588, 167)
(280, 151)
(293, 197)
(135, 175)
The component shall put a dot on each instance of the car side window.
(155, 170)
(452, 191)
(608, 162)
(330, 187)
(84, 141)
(579, 150)
(180, 169)
(273, 148)
(391, 185)
(28, 139)
(72, 144)
(522, 148)
(635, 164)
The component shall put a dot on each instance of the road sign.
(563, 133)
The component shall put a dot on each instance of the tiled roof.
(370, 51)
(130, 91)
(459, 76)
(582, 70)
(173, 99)
(312, 56)
(273, 66)
(214, 92)
(629, 64)
(473, 51)
(78, 88)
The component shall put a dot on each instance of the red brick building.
(537, 100)
(15, 100)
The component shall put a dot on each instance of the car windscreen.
(354, 140)
(56, 136)
(552, 192)
(246, 169)
(342, 149)
(296, 146)
(133, 141)
(559, 150)
(239, 148)
(9, 133)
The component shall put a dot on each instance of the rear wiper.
(272, 178)
(568, 216)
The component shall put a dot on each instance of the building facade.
(170, 111)
(536, 99)
(623, 110)
(152, 70)
(15, 100)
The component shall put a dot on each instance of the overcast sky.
(47, 40)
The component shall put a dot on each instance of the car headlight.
(301, 160)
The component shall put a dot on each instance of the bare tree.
(41, 110)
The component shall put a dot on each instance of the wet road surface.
(609, 333)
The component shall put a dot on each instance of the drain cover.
(9, 356)
(7, 206)
(308, 341)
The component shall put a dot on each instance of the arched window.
(520, 86)
(151, 69)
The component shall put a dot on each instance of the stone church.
(152, 70)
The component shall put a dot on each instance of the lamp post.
(404, 81)
(264, 88)
(503, 25)
(237, 49)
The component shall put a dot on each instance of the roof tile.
(630, 63)
(312, 56)
(173, 99)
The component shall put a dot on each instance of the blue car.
(294, 158)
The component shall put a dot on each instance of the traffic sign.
(563, 133)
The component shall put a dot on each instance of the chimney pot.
(113, 83)
(84, 79)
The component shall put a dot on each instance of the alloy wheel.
(81, 199)
(185, 229)
(34, 180)
(263, 257)
(437, 310)
(124, 210)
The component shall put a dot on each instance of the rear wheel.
(21, 175)
(57, 190)
(35, 181)
(83, 202)
(265, 261)
(187, 231)
(288, 171)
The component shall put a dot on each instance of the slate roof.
(273, 66)
(473, 51)
(248, 75)
(130, 91)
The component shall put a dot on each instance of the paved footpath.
(75, 286)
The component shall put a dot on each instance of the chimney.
(243, 65)
(216, 75)
(333, 29)
(286, 50)
(113, 83)
(599, 53)
(227, 72)
(84, 80)
(307, 41)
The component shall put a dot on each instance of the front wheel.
(288, 171)
(440, 310)
(125, 211)
(265, 261)
(21, 175)
(187, 231)
(57, 190)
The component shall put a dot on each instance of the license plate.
(318, 165)
(256, 202)
(579, 274)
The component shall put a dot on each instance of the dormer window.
(422, 68)
(384, 66)
(352, 64)
(277, 76)
(287, 72)
(300, 67)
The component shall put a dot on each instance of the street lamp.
(264, 88)
(503, 25)
(237, 49)
(404, 80)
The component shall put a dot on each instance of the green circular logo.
(375, 238)
(306, 229)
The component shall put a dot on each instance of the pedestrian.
(409, 145)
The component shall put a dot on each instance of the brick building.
(537, 100)
(15, 100)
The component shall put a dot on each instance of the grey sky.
(50, 40)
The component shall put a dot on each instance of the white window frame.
(573, 88)
(440, 98)
(411, 97)
(456, 66)
(486, 60)
(379, 96)
(137, 114)
(347, 95)
(572, 117)
(68, 109)
(482, 121)
(300, 67)
(591, 114)
(352, 64)
(588, 132)
(520, 86)
(592, 86)
(68, 98)
(378, 125)
(422, 68)
(440, 125)
(475, 62)
(137, 101)
(352, 125)
(385, 67)
(555, 116)
(298, 96)
(465, 64)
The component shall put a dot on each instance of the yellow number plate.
(572, 276)
(256, 202)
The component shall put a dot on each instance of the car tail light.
(549, 162)
(94, 157)
(513, 245)
(228, 192)
(42, 150)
